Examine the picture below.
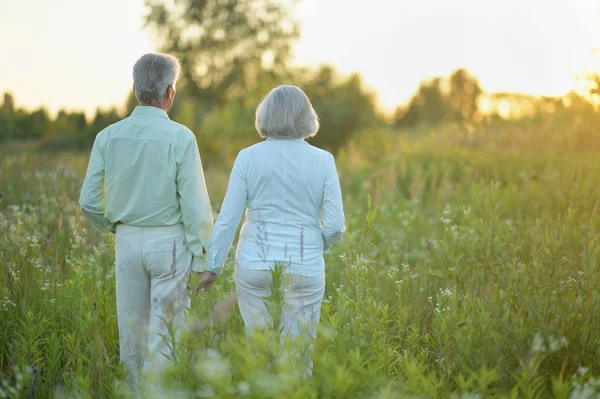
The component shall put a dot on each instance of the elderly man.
(148, 169)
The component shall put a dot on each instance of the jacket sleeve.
(333, 219)
(229, 218)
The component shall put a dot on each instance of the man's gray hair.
(286, 112)
(152, 74)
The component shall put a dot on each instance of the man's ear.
(171, 92)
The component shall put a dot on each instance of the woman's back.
(294, 208)
(285, 182)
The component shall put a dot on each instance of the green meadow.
(470, 270)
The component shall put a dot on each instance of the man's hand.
(206, 280)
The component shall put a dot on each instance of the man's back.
(142, 155)
(149, 172)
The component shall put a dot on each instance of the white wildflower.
(538, 343)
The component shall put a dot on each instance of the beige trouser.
(152, 270)
(301, 308)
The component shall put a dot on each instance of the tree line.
(233, 52)
(17, 123)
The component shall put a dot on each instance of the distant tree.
(7, 119)
(463, 96)
(103, 119)
(71, 125)
(428, 105)
(509, 105)
(8, 104)
(20, 124)
(130, 103)
(6, 128)
(549, 105)
(433, 105)
(79, 122)
(222, 132)
(60, 126)
(35, 124)
(344, 105)
(224, 45)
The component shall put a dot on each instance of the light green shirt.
(148, 169)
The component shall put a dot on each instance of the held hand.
(206, 280)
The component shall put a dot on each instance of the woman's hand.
(206, 280)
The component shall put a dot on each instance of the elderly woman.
(291, 193)
(147, 169)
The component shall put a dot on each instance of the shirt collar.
(285, 139)
(143, 110)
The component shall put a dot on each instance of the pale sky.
(79, 53)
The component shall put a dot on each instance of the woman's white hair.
(286, 112)
(152, 74)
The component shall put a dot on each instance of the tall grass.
(472, 272)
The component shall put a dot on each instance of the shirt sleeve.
(227, 223)
(90, 200)
(195, 205)
(333, 219)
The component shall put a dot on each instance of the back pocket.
(168, 257)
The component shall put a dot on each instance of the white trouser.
(152, 270)
(300, 312)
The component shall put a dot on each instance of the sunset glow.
(78, 54)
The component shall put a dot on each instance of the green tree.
(5, 126)
(224, 45)
(35, 124)
(344, 105)
(428, 105)
(7, 121)
(463, 97)
(8, 104)
(223, 132)
(433, 105)
(72, 125)
(101, 120)
(60, 127)
(130, 103)
(79, 122)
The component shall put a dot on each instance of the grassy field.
(471, 272)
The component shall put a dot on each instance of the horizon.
(370, 41)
